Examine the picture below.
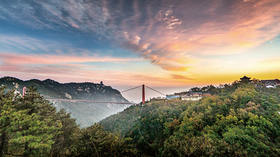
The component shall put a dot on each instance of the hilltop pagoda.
(245, 79)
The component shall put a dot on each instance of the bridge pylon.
(143, 94)
(143, 91)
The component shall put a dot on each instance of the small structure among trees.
(245, 79)
(271, 83)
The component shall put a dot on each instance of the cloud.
(12, 58)
(168, 19)
(86, 16)
(79, 72)
(28, 44)
(168, 33)
(218, 28)
(133, 39)
(180, 77)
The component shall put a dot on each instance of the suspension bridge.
(144, 87)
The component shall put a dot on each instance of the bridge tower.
(23, 91)
(143, 94)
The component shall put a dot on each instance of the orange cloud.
(57, 59)
(170, 67)
(70, 73)
(180, 77)
(219, 30)
(71, 68)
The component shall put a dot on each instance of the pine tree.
(28, 126)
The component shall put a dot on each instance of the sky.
(161, 43)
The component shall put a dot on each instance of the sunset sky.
(129, 42)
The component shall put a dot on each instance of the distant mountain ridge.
(85, 113)
(53, 89)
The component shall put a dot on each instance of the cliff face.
(86, 113)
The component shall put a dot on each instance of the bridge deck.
(89, 101)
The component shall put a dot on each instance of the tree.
(69, 132)
(96, 142)
(27, 125)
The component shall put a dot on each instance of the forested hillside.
(30, 126)
(241, 119)
(84, 112)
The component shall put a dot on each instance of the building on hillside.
(68, 96)
(173, 96)
(157, 99)
(17, 93)
(271, 83)
(192, 96)
(188, 96)
(206, 94)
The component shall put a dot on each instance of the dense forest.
(239, 119)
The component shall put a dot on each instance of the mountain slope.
(85, 113)
(242, 119)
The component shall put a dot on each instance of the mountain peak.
(50, 81)
(10, 79)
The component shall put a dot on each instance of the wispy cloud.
(79, 72)
(170, 34)
(224, 28)
(181, 77)
(12, 58)
(26, 43)
(177, 28)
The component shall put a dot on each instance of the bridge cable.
(156, 91)
(130, 89)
